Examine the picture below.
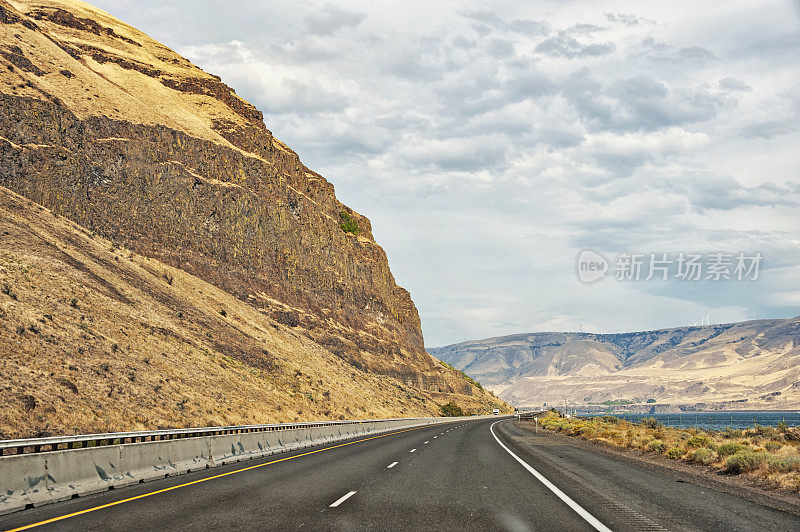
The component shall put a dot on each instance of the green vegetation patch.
(703, 456)
(729, 449)
(785, 465)
(650, 423)
(348, 223)
(675, 453)
(700, 441)
(452, 410)
(746, 461)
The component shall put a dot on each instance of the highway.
(460, 475)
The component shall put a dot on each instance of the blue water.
(716, 420)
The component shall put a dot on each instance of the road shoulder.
(742, 487)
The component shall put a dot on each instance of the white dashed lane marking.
(344, 498)
(391, 465)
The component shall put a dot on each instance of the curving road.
(485, 474)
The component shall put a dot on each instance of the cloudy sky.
(491, 143)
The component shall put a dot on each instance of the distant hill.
(752, 364)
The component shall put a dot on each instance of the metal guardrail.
(529, 415)
(57, 443)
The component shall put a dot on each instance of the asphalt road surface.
(455, 476)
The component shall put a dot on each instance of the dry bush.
(746, 461)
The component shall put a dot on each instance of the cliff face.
(104, 125)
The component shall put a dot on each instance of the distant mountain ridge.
(754, 360)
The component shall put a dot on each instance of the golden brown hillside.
(94, 337)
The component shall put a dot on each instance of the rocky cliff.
(120, 134)
(113, 130)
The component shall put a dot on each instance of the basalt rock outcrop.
(111, 129)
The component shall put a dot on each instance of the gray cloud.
(733, 84)
(488, 20)
(627, 20)
(728, 194)
(569, 47)
(771, 128)
(695, 54)
(331, 19)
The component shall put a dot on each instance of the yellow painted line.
(142, 496)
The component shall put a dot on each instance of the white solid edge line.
(589, 518)
(344, 498)
(391, 465)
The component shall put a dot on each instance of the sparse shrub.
(609, 419)
(728, 449)
(785, 465)
(732, 433)
(782, 426)
(700, 441)
(7, 291)
(703, 455)
(765, 431)
(451, 410)
(223, 312)
(657, 446)
(73, 303)
(745, 461)
(676, 453)
(773, 446)
(347, 223)
(650, 423)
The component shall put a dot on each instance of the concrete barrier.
(23, 482)
(83, 471)
(41, 478)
